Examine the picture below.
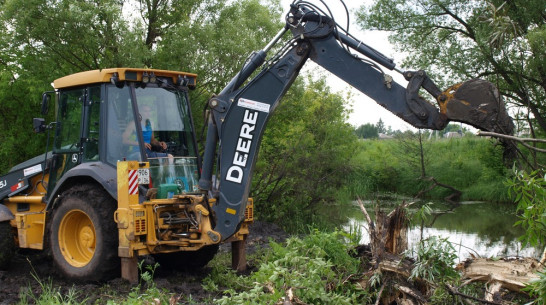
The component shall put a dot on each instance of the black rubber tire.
(97, 208)
(187, 260)
(7, 244)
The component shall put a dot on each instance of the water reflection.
(478, 228)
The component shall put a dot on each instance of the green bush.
(315, 269)
(434, 260)
(529, 192)
(537, 289)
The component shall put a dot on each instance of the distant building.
(453, 134)
(383, 136)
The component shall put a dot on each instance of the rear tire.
(83, 236)
(187, 260)
(7, 244)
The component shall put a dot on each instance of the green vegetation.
(537, 289)
(455, 40)
(305, 156)
(49, 295)
(470, 164)
(434, 261)
(146, 292)
(529, 192)
(316, 269)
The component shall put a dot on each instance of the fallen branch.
(513, 274)
(455, 292)
(368, 218)
(493, 292)
(413, 293)
(517, 139)
(379, 294)
(453, 198)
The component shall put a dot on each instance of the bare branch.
(379, 294)
(368, 218)
(470, 30)
(454, 292)
(518, 139)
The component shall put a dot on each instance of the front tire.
(83, 235)
(7, 244)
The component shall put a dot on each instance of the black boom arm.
(239, 113)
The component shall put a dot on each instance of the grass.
(318, 268)
(146, 292)
(472, 165)
(50, 295)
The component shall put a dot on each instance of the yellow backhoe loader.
(124, 178)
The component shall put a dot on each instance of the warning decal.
(254, 105)
(133, 182)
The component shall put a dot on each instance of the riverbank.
(472, 165)
(318, 268)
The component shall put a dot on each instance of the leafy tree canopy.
(456, 40)
(41, 40)
(367, 131)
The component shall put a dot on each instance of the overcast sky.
(365, 110)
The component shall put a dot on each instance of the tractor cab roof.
(116, 75)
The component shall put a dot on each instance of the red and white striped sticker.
(17, 186)
(133, 182)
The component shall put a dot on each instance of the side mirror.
(46, 97)
(38, 125)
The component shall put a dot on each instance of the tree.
(412, 152)
(381, 126)
(39, 42)
(44, 39)
(304, 155)
(502, 41)
(160, 16)
(218, 42)
(367, 131)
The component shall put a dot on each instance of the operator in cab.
(154, 148)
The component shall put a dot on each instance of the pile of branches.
(390, 271)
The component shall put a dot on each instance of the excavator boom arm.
(240, 113)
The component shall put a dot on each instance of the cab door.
(76, 133)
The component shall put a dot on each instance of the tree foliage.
(42, 40)
(367, 131)
(529, 191)
(304, 156)
(502, 41)
(314, 269)
(306, 149)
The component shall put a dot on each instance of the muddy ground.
(28, 264)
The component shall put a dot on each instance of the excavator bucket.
(478, 103)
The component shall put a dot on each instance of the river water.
(479, 228)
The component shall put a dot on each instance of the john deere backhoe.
(97, 201)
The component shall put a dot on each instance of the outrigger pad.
(478, 103)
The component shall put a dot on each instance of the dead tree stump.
(389, 232)
(388, 241)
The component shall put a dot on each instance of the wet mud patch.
(31, 269)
